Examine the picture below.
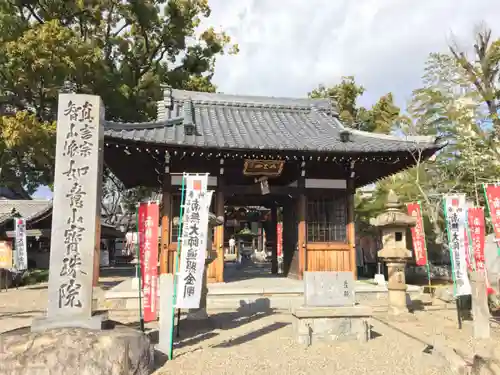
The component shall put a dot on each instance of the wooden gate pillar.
(215, 271)
(219, 239)
(165, 266)
(301, 219)
(274, 234)
(351, 233)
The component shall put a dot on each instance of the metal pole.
(138, 271)
(459, 311)
(178, 322)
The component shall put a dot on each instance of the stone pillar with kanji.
(393, 224)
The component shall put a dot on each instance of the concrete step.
(224, 297)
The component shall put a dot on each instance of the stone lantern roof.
(215, 221)
(393, 216)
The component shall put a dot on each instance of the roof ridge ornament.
(189, 124)
(168, 98)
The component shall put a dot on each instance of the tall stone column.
(76, 210)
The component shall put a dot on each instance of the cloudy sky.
(288, 47)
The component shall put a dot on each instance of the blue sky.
(289, 50)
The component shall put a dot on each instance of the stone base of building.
(94, 322)
(346, 323)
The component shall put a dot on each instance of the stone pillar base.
(94, 322)
(397, 301)
(197, 314)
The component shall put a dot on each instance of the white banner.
(194, 241)
(455, 211)
(21, 254)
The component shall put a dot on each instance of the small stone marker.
(480, 310)
(329, 288)
(77, 194)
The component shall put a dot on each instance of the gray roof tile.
(29, 209)
(266, 123)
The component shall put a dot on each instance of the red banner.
(148, 256)
(475, 218)
(418, 234)
(279, 236)
(493, 198)
(469, 252)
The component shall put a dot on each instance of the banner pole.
(176, 267)
(138, 270)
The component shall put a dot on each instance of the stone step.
(258, 299)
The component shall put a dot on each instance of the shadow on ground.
(192, 332)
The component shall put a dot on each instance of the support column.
(219, 239)
(274, 231)
(302, 215)
(351, 232)
(165, 219)
(216, 268)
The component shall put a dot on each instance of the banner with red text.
(149, 216)
(469, 252)
(455, 213)
(418, 234)
(492, 193)
(194, 241)
(475, 219)
(477, 229)
(279, 238)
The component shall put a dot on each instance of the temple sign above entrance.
(270, 168)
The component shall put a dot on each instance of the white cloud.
(289, 47)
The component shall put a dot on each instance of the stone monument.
(393, 224)
(76, 209)
(329, 312)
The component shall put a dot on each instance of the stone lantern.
(393, 224)
(201, 312)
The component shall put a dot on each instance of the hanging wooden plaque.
(263, 167)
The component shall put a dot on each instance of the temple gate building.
(262, 151)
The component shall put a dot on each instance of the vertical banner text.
(455, 211)
(148, 254)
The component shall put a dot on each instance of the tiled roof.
(221, 121)
(28, 209)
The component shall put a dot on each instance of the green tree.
(380, 118)
(121, 50)
(482, 71)
(449, 106)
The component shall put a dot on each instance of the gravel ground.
(441, 326)
(265, 345)
(234, 344)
